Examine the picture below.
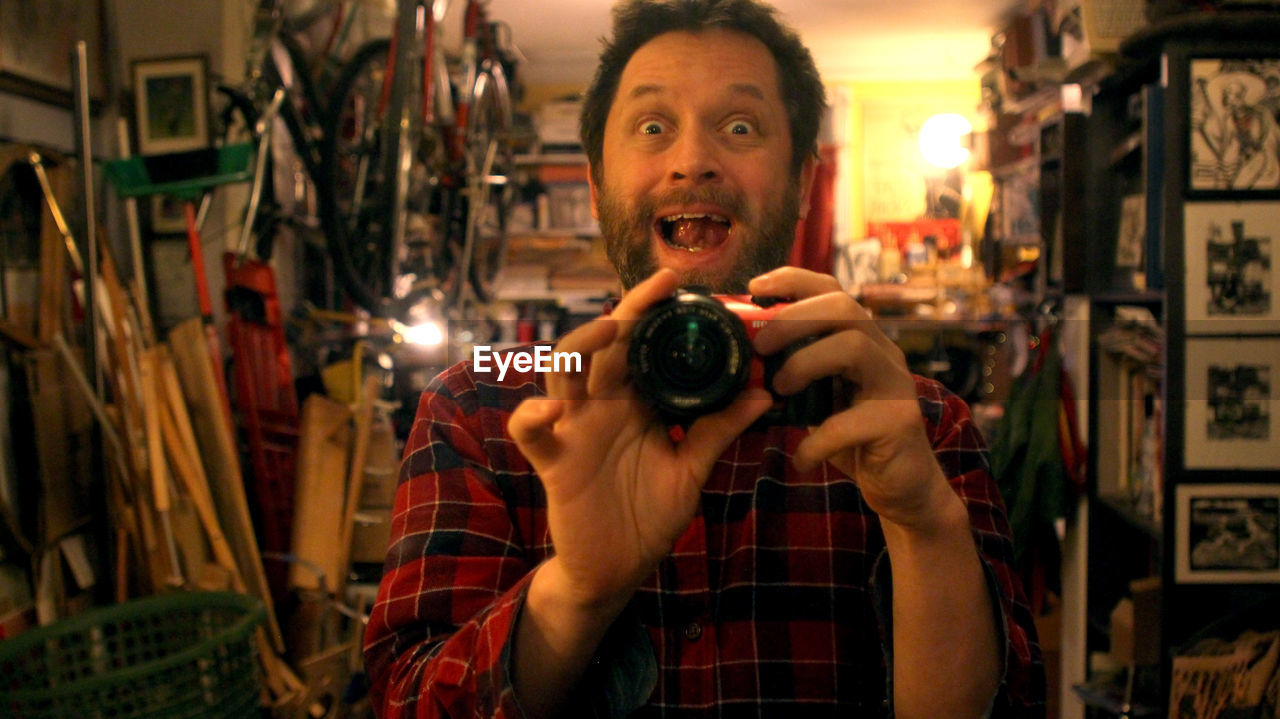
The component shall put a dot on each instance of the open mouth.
(694, 231)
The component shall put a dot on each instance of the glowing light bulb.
(941, 140)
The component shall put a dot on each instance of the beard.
(764, 242)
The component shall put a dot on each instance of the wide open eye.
(652, 127)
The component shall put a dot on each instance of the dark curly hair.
(636, 22)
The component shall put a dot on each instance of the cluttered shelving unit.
(1183, 449)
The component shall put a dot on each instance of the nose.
(694, 159)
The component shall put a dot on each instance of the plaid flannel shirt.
(774, 602)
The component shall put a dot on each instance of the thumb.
(712, 434)
(532, 427)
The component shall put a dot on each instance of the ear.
(595, 193)
(808, 171)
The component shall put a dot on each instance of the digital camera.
(691, 355)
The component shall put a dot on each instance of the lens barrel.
(689, 355)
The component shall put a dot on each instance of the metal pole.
(84, 150)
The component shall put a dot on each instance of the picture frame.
(171, 104)
(1229, 122)
(1231, 403)
(1227, 534)
(167, 215)
(1231, 272)
(1133, 231)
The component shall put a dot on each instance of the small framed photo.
(1230, 121)
(172, 105)
(168, 216)
(1229, 403)
(1227, 534)
(1133, 231)
(1232, 275)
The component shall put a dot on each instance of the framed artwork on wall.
(1227, 534)
(1233, 124)
(167, 215)
(171, 104)
(1231, 271)
(1231, 402)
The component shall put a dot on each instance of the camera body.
(691, 355)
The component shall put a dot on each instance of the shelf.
(1123, 508)
(1125, 148)
(1109, 697)
(1130, 297)
(552, 158)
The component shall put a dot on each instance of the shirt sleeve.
(962, 453)
(455, 577)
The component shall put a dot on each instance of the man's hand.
(619, 491)
(940, 598)
(878, 437)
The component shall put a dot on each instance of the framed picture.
(37, 40)
(1133, 231)
(167, 215)
(1231, 274)
(1233, 124)
(1229, 404)
(172, 106)
(1227, 533)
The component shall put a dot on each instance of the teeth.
(696, 216)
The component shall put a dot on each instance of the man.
(556, 552)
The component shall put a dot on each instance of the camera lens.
(689, 355)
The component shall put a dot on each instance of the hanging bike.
(418, 160)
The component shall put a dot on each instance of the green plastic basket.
(172, 656)
(181, 174)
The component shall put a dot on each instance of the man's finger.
(659, 285)
(584, 341)
(532, 427)
(711, 435)
(793, 283)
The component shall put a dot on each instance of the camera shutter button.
(765, 301)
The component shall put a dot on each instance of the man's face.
(695, 171)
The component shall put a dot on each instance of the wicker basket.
(183, 655)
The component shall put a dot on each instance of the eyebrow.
(737, 88)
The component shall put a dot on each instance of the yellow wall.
(885, 171)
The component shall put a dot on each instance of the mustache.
(732, 201)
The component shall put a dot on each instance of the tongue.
(699, 233)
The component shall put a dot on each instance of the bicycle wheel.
(372, 167)
(490, 162)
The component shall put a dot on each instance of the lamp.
(942, 140)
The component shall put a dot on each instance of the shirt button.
(693, 631)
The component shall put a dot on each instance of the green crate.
(185, 175)
(189, 655)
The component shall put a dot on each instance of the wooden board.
(221, 462)
(324, 450)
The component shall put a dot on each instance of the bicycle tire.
(357, 203)
(490, 120)
(350, 145)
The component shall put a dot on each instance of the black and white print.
(1228, 532)
(1239, 397)
(1235, 124)
(1231, 403)
(1230, 267)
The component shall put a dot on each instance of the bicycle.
(418, 166)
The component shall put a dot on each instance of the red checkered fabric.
(773, 603)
